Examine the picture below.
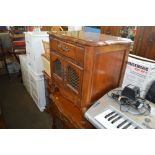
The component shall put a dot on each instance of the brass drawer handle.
(65, 49)
(58, 45)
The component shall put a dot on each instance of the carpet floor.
(18, 109)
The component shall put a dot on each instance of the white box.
(139, 72)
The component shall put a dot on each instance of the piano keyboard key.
(109, 114)
(116, 119)
(126, 126)
(136, 127)
(121, 124)
(112, 117)
(118, 122)
(106, 112)
(131, 127)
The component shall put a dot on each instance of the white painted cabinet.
(32, 67)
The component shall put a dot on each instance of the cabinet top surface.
(89, 38)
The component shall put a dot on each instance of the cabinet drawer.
(69, 50)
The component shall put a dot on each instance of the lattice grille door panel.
(73, 78)
(57, 67)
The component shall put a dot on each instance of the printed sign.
(139, 72)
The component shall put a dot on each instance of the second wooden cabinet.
(144, 44)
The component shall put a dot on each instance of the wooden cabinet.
(144, 44)
(84, 66)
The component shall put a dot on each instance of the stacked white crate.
(34, 49)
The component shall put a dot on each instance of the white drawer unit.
(34, 49)
(37, 89)
(36, 65)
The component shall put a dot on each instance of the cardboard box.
(139, 72)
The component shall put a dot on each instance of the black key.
(121, 124)
(127, 126)
(112, 117)
(109, 114)
(116, 119)
(136, 127)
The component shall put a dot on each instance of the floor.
(18, 109)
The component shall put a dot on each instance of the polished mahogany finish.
(88, 38)
(84, 66)
(71, 116)
(63, 113)
(144, 44)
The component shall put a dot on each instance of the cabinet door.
(73, 77)
(56, 67)
(72, 82)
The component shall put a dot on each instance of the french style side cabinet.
(84, 66)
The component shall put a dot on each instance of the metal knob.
(66, 49)
(147, 120)
(59, 45)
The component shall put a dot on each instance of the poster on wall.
(139, 72)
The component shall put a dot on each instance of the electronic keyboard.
(112, 119)
(106, 113)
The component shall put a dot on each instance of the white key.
(119, 122)
(106, 112)
(115, 118)
(131, 127)
(124, 125)
(112, 118)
